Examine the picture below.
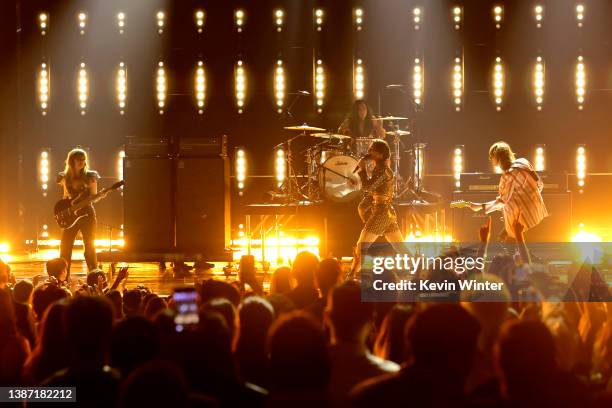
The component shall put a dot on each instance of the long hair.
(381, 147)
(504, 155)
(73, 155)
(354, 119)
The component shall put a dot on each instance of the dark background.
(388, 45)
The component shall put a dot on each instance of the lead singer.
(376, 208)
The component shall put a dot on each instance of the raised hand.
(485, 231)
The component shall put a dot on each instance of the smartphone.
(186, 307)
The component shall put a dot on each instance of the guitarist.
(520, 191)
(79, 182)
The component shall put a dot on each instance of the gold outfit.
(376, 209)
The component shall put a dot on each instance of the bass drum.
(337, 182)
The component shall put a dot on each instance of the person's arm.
(377, 179)
(121, 275)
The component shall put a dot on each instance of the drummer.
(361, 124)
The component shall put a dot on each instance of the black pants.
(87, 226)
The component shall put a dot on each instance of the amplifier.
(146, 147)
(475, 182)
(203, 146)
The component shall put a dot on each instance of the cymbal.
(329, 136)
(305, 128)
(398, 133)
(392, 118)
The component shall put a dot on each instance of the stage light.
(82, 20)
(458, 84)
(121, 21)
(538, 12)
(418, 81)
(417, 17)
(457, 15)
(239, 18)
(279, 166)
(580, 14)
(498, 83)
(43, 170)
(200, 87)
(161, 21)
(121, 84)
(539, 163)
(43, 23)
(161, 87)
(199, 16)
(359, 79)
(458, 165)
(44, 87)
(580, 82)
(241, 169)
(120, 157)
(498, 15)
(539, 74)
(44, 232)
(279, 18)
(358, 18)
(580, 166)
(240, 85)
(279, 85)
(318, 19)
(319, 85)
(83, 87)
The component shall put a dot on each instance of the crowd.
(308, 341)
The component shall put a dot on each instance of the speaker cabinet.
(147, 204)
(202, 205)
(554, 228)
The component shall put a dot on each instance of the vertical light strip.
(121, 22)
(241, 168)
(457, 17)
(580, 82)
(83, 88)
(580, 14)
(539, 162)
(279, 85)
(43, 23)
(161, 87)
(240, 85)
(458, 165)
(44, 87)
(121, 84)
(199, 17)
(279, 166)
(457, 84)
(161, 21)
(498, 15)
(539, 77)
(581, 165)
(120, 157)
(538, 12)
(358, 18)
(200, 87)
(82, 20)
(318, 19)
(359, 79)
(417, 17)
(319, 85)
(498, 83)
(43, 171)
(279, 19)
(239, 18)
(418, 82)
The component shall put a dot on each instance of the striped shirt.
(519, 190)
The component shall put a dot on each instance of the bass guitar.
(68, 211)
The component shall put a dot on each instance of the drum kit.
(331, 162)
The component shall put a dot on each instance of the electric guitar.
(68, 211)
(460, 204)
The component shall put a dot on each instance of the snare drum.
(337, 182)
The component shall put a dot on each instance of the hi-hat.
(392, 118)
(305, 128)
(398, 133)
(329, 136)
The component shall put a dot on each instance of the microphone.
(366, 157)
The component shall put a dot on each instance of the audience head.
(132, 302)
(22, 292)
(305, 265)
(256, 316)
(281, 304)
(89, 323)
(155, 384)
(57, 268)
(225, 308)
(97, 278)
(44, 296)
(8, 323)
(390, 343)
(154, 306)
(134, 341)
(211, 289)
(281, 281)
(298, 354)
(443, 339)
(328, 274)
(114, 296)
(52, 329)
(349, 316)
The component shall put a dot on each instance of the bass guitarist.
(79, 182)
